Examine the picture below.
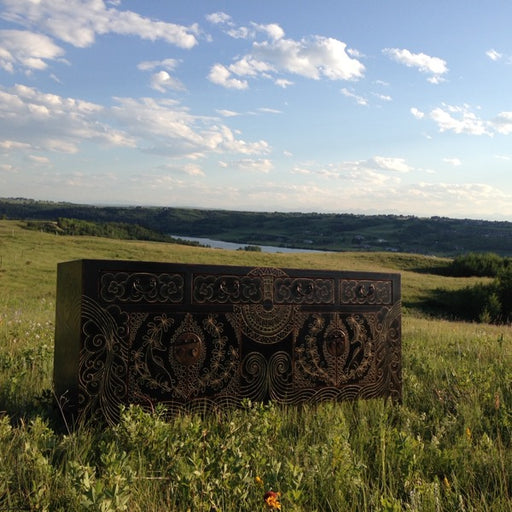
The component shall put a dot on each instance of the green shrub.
(488, 303)
(477, 264)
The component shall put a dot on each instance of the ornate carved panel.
(193, 336)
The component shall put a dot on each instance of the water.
(219, 244)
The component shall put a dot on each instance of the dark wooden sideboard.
(195, 336)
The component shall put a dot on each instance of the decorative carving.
(212, 289)
(192, 337)
(103, 360)
(266, 322)
(366, 292)
(141, 287)
(335, 350)
(304, 291)
(179, 359)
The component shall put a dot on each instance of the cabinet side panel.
(68, 331)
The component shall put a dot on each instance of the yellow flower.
(258, 480)
(468, 433)
(272, 500)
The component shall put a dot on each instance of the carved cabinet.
(196, 336)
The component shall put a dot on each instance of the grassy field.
(447, 447)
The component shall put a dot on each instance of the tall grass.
(446, 447)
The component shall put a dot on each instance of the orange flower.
(272, 500)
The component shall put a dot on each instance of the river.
(219, 244)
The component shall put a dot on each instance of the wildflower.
(272, 500)
(468, 433)
(258, 480)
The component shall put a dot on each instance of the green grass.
(447, 447)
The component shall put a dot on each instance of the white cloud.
(314, 58)
(102, 182)
(267, 110)
(227, 113)
(355, 53)
(150, 65)
(375, 173)
(301, 170)
(26, 49)
(230, 143)
(391, 164)
(418, 114)
(453, 161)
(436, 79)
(226, 21)
(220, 75)
(13, 144)
(165, 127)
(54, 123)
(503, 123)
(494, 55)
(459, 119)
(249, 66)
(162, 81)
(273, 30)
(383, 97)
(462, 120)
(425, 63)
(263, 165)
(77, 22)
(193, 170)
(38, 159)
(358, 99)
(218, 18)
(480, 196)
(240, 33)
(7, 168)
(61, 145)
(282, 82)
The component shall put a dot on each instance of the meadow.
(446, 447)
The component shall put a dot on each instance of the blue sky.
(388, 107)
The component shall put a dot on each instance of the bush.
(478, 264)
(504, 293)
(489, 303)
(251, 248)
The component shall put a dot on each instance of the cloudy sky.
(398, 106)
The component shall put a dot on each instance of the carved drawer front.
(196, 336)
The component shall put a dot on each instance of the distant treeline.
(117, 230)
(489, 301)
(438, 236)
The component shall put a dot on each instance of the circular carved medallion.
(266, 322)
(187, 348)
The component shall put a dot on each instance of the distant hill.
(438, 236)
